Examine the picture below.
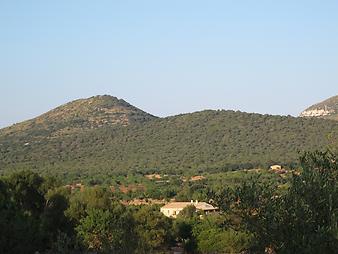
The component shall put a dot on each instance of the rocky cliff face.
(317, 112)
(325, 109)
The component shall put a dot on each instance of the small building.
(75, 186)
(276, 167)
(172, 209)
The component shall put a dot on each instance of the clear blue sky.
(168, 57)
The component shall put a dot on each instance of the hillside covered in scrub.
(73, 117)
(114, 136)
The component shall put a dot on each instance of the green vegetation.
(79, 115)
(153, 229)
(113, 154)
(107, 230)
(37, 214)
(207, 141)
(301, 219)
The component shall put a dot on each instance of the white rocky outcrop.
(319, 112)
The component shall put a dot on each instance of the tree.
(53, 219)
(188, 212)
(213, 237)
(183, 230)
(26, 192)
(153, 229)
(216, 240)
(21, 204)
(303, 219)
(107, 230)
(90, 198)
(28, 221)
(309, 211)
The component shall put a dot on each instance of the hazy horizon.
(168, 58)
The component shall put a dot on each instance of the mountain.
(326, 109)
(78, 115)
(91, 138)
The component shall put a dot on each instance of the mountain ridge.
(94, 112)
(205, 140)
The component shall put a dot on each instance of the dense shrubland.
(207, 141)
(38, 214)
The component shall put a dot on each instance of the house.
(153, 176)
(75, 186)
(276, 167)
(172, 209)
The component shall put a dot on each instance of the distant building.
(172, 209)
(276, 167)
(153, 176)
(75, 186)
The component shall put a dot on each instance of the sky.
(168, 57)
